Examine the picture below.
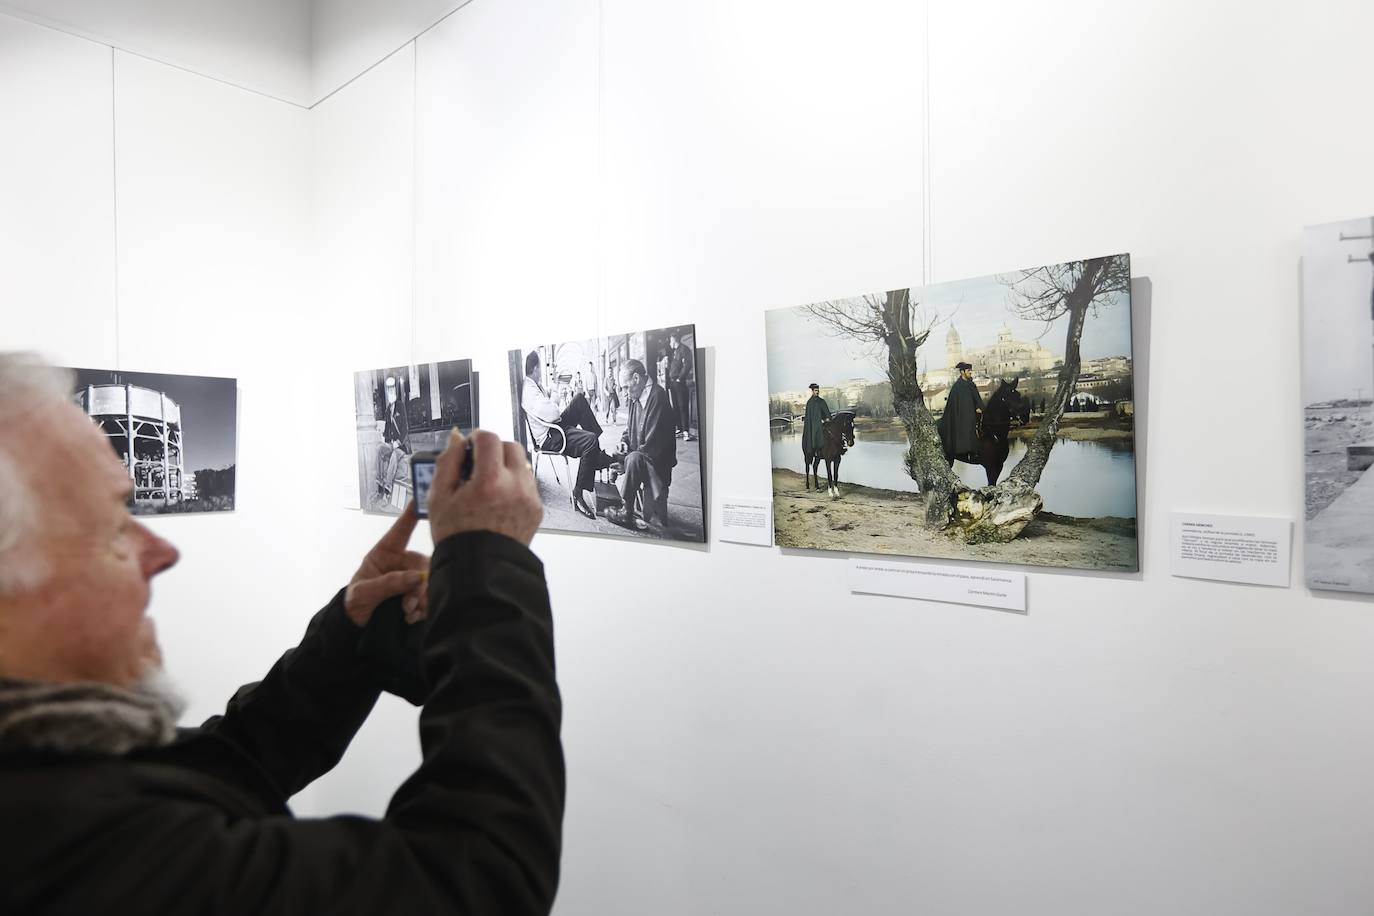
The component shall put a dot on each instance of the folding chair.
(537, 448)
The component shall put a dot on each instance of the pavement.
(1340, 541)
(684, 495)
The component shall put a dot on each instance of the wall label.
(1230, 548)
(995, 588)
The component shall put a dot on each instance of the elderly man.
(649, 449)
(107, 807)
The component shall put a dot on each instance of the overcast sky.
(208, 410)
(1336, 329)
(801, 350)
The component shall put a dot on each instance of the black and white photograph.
(1338, 403)
(987, 419)
(613, 430)
(176, 434)
(402, 410)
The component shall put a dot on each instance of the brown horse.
(837, 436)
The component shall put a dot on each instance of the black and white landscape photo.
(612, 426)
(176, 434)
(1338, 391)
(402, 410)
(984, 419)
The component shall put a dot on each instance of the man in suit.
(679, 371)
(649, 448)
(395, 437)
(576, 424)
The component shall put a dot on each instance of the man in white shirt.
(575, 424)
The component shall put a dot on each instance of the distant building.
(954, 352)
(1007, 358)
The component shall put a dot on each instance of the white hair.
(26, 382)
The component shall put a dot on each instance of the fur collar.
(85, 720)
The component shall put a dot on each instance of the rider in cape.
(959, 425)
(817, 412)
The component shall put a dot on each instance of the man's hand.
(501, 495)
(390, 569)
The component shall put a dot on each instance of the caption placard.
(1231, 548)
(956, 584)
(747, 521)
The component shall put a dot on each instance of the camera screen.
(422, 472)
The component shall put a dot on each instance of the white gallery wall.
(743, 735)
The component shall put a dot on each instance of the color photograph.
(403, 410)
(176, 434)
(1338, 402)
(987, 419)
(612, 426)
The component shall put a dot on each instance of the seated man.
(649, 447)
(395, 439)
(577, 423)
(107, 807)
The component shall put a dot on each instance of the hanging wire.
(114, 202)
(927, 243)
(600, 172)
(414, 179)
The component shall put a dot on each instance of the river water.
(1082, 479)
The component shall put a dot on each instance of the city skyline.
(802, 351)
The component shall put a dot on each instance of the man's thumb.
(372, 592)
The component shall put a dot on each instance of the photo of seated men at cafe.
(401, 411)
(612, 427)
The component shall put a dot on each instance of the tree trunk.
(1032, 465)
(986, 514)
(1000, 513)
(925, 457)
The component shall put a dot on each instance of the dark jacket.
(650, 429)
(959, 424)
(679, 363)
(202, 825)
(813, 432)
(397, 428)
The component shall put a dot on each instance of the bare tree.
(888, 320)
(997, 513)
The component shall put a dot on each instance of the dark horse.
(838, 436)
(1005, 407)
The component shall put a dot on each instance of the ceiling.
(298, 51)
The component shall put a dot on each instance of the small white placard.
(747, 521)
(1231, 548)
(958, 584)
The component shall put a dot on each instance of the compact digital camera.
(422, 476)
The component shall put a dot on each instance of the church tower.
(954, 352)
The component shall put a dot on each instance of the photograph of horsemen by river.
(987, 419)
